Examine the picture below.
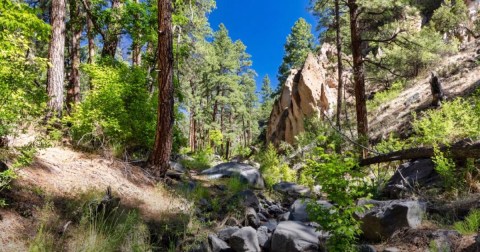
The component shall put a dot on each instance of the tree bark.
(111, 38)
(91, 40)
(159, 159)
(73, 92)
(358, 77)
(339, 63)
(56, 69)
(460, 150)
(136, 47)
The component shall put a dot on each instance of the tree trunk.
(159, 159)
(358, 77)
(112, 33)
(91, 40)
(136, 47)
(73, 92)
(460, 150)
(339, 63)
(56, 69)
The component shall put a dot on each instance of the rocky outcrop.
(231, 169)
(383, 218)
(310, 91)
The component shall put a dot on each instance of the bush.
(470, 225)
(273, 170)
(446, 168)
(21, 95)
(341, 180)
(456, 120)
(118, 111)
(385, 96)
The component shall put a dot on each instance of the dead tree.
(437, 91)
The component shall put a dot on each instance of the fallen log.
(460, 150)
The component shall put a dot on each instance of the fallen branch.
(460, 150)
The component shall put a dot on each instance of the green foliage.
(21, 95)
(299, 43)
(119, 109)
(470, 225)
(391, 144)
(201, 159)
(446, 168)
(449, 16)
(274, 170)
(215, 136)
(343, 183)
(236, 185)
(385, 96)
(456, 120)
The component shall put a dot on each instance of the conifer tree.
(299, 43)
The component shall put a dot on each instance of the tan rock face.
(311, 91)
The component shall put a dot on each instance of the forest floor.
(459, 77)
(60, 173)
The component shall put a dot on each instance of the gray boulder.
(294, 236)
(263, 237)
(298, 210)
(245, 240)
(271, 225)
(385, 217)
(177, 167)
(443, 240)
(252, 217)
(246, 198)
(291, 189)
(231, 169)
(218, 245)
(227, 232)
(410, 175)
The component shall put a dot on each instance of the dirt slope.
(460, 75)
(60, 172)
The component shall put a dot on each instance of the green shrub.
(385, 96)
(456, 120)
(446, 168)
(119, 109)
(273, 170)
(391, 144)
(470, 225)
(235, 185)
(202, 159)
(21, 95)
(341, 180)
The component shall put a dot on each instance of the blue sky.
(263, 26)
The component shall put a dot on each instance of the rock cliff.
(310, 91)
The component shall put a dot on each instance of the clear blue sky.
(263, 26)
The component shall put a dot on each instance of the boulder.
(291, 189)
(263, 237)
(246, 198)
(227, 232)
(366, 248)
(245, 240)
(252, 217)
(218, 245)
(231, 169)
(410, 175)
(298, 211)
(294, 236)
(271, 225)
(444, 240)
(385, 217)
(177, 167)
(310, 91)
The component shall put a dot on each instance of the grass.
(385, 96)
(470, 225)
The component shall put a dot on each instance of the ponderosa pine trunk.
(111, 38)
(136, 47)
(56, 56)
(91, 40)
(73, 91)
(160, 156)
(358, 77)
(339, 62)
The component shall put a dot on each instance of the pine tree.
(159, 159)
(299, 43)
(56, 57)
